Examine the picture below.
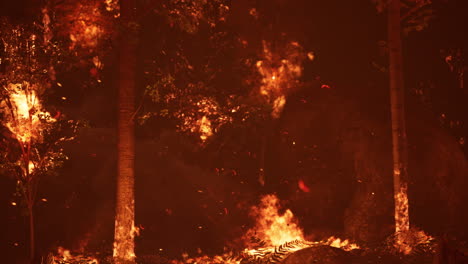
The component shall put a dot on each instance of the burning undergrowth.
(275, 237)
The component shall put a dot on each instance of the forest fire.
(233, 132)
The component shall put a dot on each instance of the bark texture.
(399, 138)
(124, 247)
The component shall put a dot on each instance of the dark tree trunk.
(124, 245)
(399, 138)
(32, 246)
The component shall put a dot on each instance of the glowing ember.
(205, 128)
(343, 244)
(204, 121)
(30, 167)
(113, 7)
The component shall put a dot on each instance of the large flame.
(23, 113)
(272, 227)
(278, 229)
(274, 230)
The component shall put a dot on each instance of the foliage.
(203, 91)
(189, 16)
(35, 137)
(416, 13)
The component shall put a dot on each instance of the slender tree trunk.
(261, 169)
(399, 139)
(124, 245)
(32, 246)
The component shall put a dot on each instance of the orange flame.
(23, 112)
(65, 256)
(272, 227)
(343, 244)
(402, 226)
(280, 73)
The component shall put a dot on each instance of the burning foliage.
(280, 72)
(35, 137)
(86, 24)
(23, 113)
(189, 15)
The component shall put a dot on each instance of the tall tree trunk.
(32, 247)
(261, 169)
(124, 245)
(399, 139)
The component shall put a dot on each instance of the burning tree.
(124, 245)
(35, 136)
(415, 19)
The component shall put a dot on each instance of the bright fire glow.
(402, 220)
(280, 71)
(23, 113)
(64, 256)
(205, 120)
(272, 227)
(343, 244)
(124, 247)
(278, 229)
(205, 128)
(275, 230)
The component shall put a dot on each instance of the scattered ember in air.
(302, 186)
